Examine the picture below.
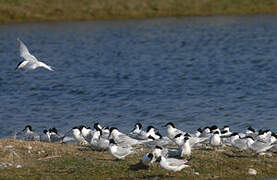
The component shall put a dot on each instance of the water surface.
(192, 71)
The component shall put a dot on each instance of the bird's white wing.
(175, 162)
(123, 151)
(24, 52)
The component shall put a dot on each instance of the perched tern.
(226, 131)
(172, 164)
(30, 135)
(54, 136)
(30, 61)
(137, 129)
(172, 131)
(238, 142)
(148, 159)
(139, 134)
(162, 141)
(77, 135)
(86, 132)
(98, 142)
(45, 137)
(123, 139)
(257, 146)
(185, 148)
(215, 139)
(105, 130)
(117, 151)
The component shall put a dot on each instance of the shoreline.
(33, 160)
(39, 11)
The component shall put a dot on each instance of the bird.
(257, 146)
(172, 164)
(54, 136)
(45, 137)
(215, 139)
(123, 139)
(185, 148)
(117, 151)
(226, 131)
(137, 129)
(159, 151)
(172, 131)
(139, 134)
(206, 132)
(77, 135)
(30, 135)
(148, 159)
(238, 142)
(30, 62)
(214, 128)
(105, 130)
(179, 139)
(162, 141)
(250, 131)
(87, 133)
(198, 132)
(98, 142)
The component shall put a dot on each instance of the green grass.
(61, 161)
(60, 10)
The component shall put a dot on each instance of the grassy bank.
(57, 10)
(61, 161)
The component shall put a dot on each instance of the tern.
(161, 141)
(215, 139)
(172, 164)
(139, 134)
(86, 132)
(123, 139)
(30, 61)
(77, 135)
(238, 142)
(226, 131)
(185, 148)
(148, 159)
(172, 131)
(30, 135)
(117, 151)
(98, 142)
(45, 137)
(137, 129)
(105, 130)
(54, 136)
(257, 146)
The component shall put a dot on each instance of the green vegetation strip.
(37, 160)
(61, 10)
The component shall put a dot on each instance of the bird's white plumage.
(172, 164)
(30, 61)
(119, 152)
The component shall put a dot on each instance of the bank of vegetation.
(38, 160)
(62, 10)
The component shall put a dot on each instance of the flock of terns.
(181, 144)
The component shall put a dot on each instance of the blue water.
(193, 71)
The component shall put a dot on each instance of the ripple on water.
(194, 71)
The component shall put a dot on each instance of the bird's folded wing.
(122, 152)
(175, 162)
